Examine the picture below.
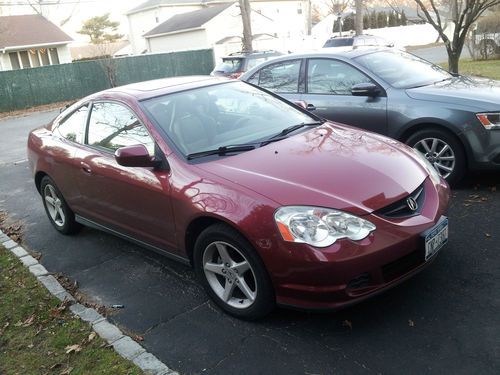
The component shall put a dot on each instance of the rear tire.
(58, 211)
(443, 151)
(232, 273)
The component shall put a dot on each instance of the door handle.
(311, 107)
(85, 167)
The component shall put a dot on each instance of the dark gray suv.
(453, 120)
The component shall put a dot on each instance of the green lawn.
(481, 68)
(39, 335)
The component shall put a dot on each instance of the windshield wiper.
(223, 150)
(282, 134)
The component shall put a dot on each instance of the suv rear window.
(339, 42)
(230, 65)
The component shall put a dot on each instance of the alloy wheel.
(229, 274)
(54, 205)
(439, 154)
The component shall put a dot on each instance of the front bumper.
(483, 148)
(348, 272)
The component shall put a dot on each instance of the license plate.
(435, 238)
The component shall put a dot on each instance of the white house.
(210, 27)
(29, 41)
(285, 18)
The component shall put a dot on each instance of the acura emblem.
(412, 203)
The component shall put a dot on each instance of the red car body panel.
(331, 166)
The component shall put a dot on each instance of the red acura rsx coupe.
(269, 203)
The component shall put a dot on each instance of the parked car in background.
(347, 43)
(488, 44)
(453, 120)
(236, 64)
(268, 202)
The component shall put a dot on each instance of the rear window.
(231, 65)
(341, 42)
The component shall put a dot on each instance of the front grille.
(401, 207)
(360, 281)
(403, 265)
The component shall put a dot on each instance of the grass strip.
(39, 335)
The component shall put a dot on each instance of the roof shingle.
(29, 30)
(188, 20)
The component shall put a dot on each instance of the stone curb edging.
(123, 344)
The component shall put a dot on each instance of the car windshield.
(223, 116)
(232, 65)
(403, 70)
(340, 42)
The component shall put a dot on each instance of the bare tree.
(247, 25)
(463, 14)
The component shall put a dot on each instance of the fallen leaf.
(91, 336)
(138, 338)
(30, 346)
(487, 235)
(29, 321)
(411, 323)
(73, 348)
(67, 371)
(347, 323)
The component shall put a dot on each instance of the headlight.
(489, 120)
(320, 227)
(435, 176)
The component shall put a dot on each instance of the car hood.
(330, 166)
(481, 93)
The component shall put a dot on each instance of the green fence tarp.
(26, 88)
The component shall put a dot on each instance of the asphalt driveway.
(445, 320)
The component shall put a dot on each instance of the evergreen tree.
(373, 20)
(382, 20)
(366, 21)
(348, 23)
(393, 21)
(404, 21)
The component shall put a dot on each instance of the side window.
(325, 76)
(73, 127)
(282, 77)
(254, 79)
(113, 126)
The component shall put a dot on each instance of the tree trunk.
(247, 25)
(453, 58)
(358, 22)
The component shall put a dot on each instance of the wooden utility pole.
(358, 21)
(247, 25)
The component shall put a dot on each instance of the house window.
(54, 56)
(44, 56)
(25, 59)
(33, 58)
(14, 61)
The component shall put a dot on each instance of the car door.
(328, 94)
(132, 200)
(282, 78)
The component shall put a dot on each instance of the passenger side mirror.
(135, 156)
(365, 89)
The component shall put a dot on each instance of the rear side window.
(281, 77)
(113, 125)
(73, 127)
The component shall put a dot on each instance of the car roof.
(149, 89)
(332, 52)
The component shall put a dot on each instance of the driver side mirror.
(365, 89)
(135, 156)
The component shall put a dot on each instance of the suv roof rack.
(249, 53)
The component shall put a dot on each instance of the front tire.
(232, 273)
(58, 211)
(443, 151)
